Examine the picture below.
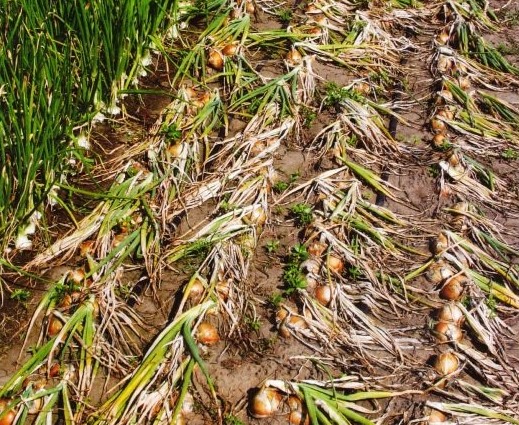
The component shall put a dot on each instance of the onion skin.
(440, 244)
(229, 50)
(453, 288)
(335, 264)
(294, 57)
(215, 60)
(447, 332)
(450, 312)
(295, 323)
(446, 363)
(8, 417)
(54, 326)
(316, 249)
(298, 414)
(265, 403)
(196, 291)
(207, 334)
(323, 294)
(436, 417)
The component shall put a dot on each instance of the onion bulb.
(311, 266)
(439, 140)
(215, 60)
(289, 323)
(281, 314)
(223, 288)
(443, 37)
(298, 414)
(446, 94)
(440, 244)
(257, 216)
(450, 312)
(316, 249)
(229, 49)
(445, 113)
(464, 83)
(447, 332)
(54, 326)
(54, 370)
(446, 363)
(207, 334)
(86, 248)
(453, 288)
(265, 402)
(436, 417)
(175, 150)
(323, 294)
(7, 417)
(438, 272)
(76, 276)
(444, 63)
(362, 87)
(334, 264)
(438, 126)
(249, 7)
(293, 57)
(196, 291)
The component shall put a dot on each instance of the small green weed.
(253, 322)
(275, 300)
(308, 116)
(171, 132)
(272, 246)
(285, 16)
(510, 154)
(280, 186)
(21, 295)
(433, 171)
(335, 95)
(292, 277)
(232, 420)
(302, 213)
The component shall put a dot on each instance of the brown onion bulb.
(229, 49)
(215, 60)
(439, 140)
(294, 57)
(438, 126)
(207, 334)
(250, 8)
(54, 370)
(443, 37)
(8, 417)
(323, 294)
(436, 417)
(438, 272)
(295, 323)
(54, 326)
(86, 248)
(440, 244)
(450, 312)
(316, 249)
(265, 402)
(464, 83)
(446, 363)
(335, 264)
(76, 276)
(447, 332)
(196, 291)
(298, 414)
(453, 288)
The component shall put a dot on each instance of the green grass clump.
(61, 62)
